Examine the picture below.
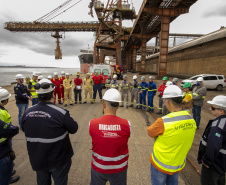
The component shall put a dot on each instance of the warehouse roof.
(221, 33)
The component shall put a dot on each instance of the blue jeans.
(22, 108)
(159, 178)
(196, 111)
(6, 168)
(34, 101)
(114, 178)
(60, 175)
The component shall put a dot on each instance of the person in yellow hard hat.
(88, 83)
(174, 134)
(67, 84)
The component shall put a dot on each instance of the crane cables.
(57, 11)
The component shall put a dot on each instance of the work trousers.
(97, 87)
(62, 92)
(196, 111)
(143, 100)
(150, 102)
(67, 95)
(57, 91)
(59, 175)
(22, 108)
(78, 92)
(209, 176)
(6, 169)
(125, 96)
(114, 178)
(134, 95)
(90, 92)
(160, 103)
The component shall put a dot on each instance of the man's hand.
(141, 92)
(30, 97)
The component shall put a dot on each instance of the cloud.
(43, 42)
(217, 11)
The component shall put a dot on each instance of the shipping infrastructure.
(126, 50)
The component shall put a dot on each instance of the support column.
(164, 39)
(98, 56)
(130, 60)
(156, 44)
(134, 59)
(127, 60)
(119, 54)
(143, 56)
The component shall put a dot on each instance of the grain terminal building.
(204, 55)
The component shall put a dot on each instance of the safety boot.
(65, 105)
(121, 105)
(92, 102)
(159, 112)
(84, 102)
(14, 179)
(131, 105)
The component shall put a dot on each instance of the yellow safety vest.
(4, 116)
(34, 94)
(171, 148)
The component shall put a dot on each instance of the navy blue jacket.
(6, 131)
(143, 87)
(212, 149)
(152, 89)
(21, 94)
(46, 128)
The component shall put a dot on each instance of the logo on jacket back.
(106, 128)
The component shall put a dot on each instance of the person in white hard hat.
(134, 89)
(174, 134)
(143, 92)
(125, 85)
(114, 83)
(57, 91)
(7, 131)
(22, 95)
(165, 111)
(31, 88)
(110, 135)
(175, 81)
(50, 77)
(108, 82)
(47, 128)
(152, 89)
(68, 84)
(212, 149)
(61, 84)
(198, 96)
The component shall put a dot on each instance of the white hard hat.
(19, 76)
(34, 74)
(62, 72)
(4, 94)
(124, 76)
(115, 76)
(109, 75)
(55, 73)
(175, 80)
(40, 77)
(151, 77)
(112, 95)
(172, 91)
(50, 76)
(134, 77)
(168, 83)
(143, 78)
(67, 74)
(219, 101)
(44, 86)
(199, 79)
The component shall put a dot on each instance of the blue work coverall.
(151, 93)
(143, 87)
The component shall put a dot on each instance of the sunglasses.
(213, 108)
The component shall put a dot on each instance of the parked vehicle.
(103, 70)
(211, 81)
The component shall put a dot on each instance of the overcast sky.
(37, 49)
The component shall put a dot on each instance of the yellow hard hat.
(88, 74)
(78, 73)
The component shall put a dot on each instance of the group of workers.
(47, 128)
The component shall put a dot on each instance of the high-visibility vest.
(34, 94)
(171, 148)
(4, 116)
